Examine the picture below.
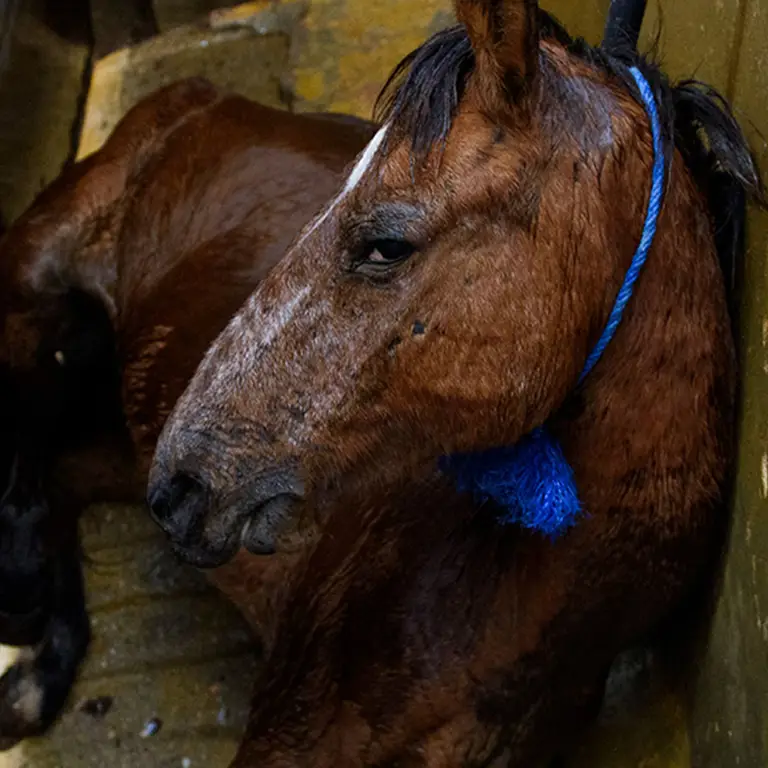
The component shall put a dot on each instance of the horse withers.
(112, 286)
(445, 305)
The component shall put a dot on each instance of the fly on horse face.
(111, 288)
(527, 254)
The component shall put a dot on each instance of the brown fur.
(160, 236)
(416, 631)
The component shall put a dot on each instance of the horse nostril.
(165, 498)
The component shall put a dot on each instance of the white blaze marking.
(279, 319)
(365, 161)
(354, 178)
(259, 328)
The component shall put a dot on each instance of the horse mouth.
(200, 556)
(259, 534)
(263, 529)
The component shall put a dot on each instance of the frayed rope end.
(532, 482)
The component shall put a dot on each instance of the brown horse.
(111, 288)
(444, 303)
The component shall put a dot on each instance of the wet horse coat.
(111, 288)
(446, 302)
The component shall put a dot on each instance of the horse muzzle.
(206, 528)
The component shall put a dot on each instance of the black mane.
(423, 93)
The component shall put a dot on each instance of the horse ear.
(505, 39)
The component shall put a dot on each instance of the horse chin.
(273, 527)
(203, 557)
(206, 552)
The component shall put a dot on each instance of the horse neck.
(68, 237)
(424, 582)
(67, 240)
(390, 607)
(650, 433)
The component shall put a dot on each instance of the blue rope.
(649, 230)
(532, 481)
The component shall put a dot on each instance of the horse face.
(444, 302)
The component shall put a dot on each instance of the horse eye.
(385, 252)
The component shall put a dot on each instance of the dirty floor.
(169, 676)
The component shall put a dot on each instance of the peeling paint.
(764, 475)
(765, 344)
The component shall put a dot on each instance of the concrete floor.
(168, 655)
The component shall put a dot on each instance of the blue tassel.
(532, 482)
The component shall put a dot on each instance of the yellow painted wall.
(347, 48)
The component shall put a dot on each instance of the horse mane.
(423, 93)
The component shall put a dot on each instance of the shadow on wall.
(45, 49)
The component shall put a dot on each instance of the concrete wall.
(42, 72)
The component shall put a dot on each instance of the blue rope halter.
(532, 481)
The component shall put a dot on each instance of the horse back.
(207, 217)
(128, 265)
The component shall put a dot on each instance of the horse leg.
(34, 690)
(24, 563)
